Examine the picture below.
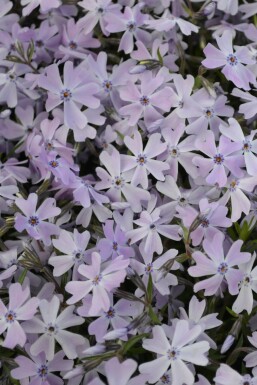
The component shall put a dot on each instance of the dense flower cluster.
(128, 181)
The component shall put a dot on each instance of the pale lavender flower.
(101, 279)
(231, 62)
(45, 5)
(33, 219)
(76, 89)
(219, 266)
(248, 108)
(21, 308)
(174, 353)
(52, 327)
(73, 246)
(225, 375)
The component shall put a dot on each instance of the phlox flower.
(236, 188)
(151, 226)
(249, 9)
(61, 168)
(40, 370)
(174, 353)
(220, 159)
(76, 89)
(52, 327)
(12, 168)
(117, 316)
(33, 220)
(119, 183)
(225, 375)
(232, 62)
(219, 266)
(211, 216)
(101, 279)
(85, 193)
(249, 105)
(115, 242)
(247, 286)
(21, 307)
(141, 162)
(121, 372)
(73, 246)
(45, 5)
(147, 99)
(228, 6)
(168, 21)
(195, 316)
(130, 21)
(251, 358)
(161, 277)
(248, 145)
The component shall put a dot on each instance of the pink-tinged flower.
(52, 326)
(117, 316)
(73, 246)
(147, 99)
(118, 182)
(181, 92)
(142, 53)
(161, 277)
(101, 212)
(232, 62)
(247, 286)
(219, 266)
(45, 5)
(13, 169)
(101, 280)
(228, 6)
(57, 165)
(211, 217)
(249, 106)
(85, 193)
(121, 372)
(142, 162)
(220, 159)
(168, 21)
(21, 308)
(151, 225)
(44, 41)
(179, 151)
(33, 219)
(248, 145)
(13, 85)
(195, 316)
(115, 242)
(175, 353)
(76, 89)
(203, 110)
(130, 21)
(225, 375)
(235, 192)
(97, 11)
(39, 370)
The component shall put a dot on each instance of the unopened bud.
(227, 344)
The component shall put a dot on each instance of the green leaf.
(231, 312)
(159, 56)
(154, 318)
(149, 290)
(22, 276)
(132, 341)
(30, 51)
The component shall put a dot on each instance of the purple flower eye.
(173, 354)
(144, 100)
(10, 316)
(107, 85)
(141, 159)
(218, 159)
(43, 371)
(33, 221)
(53, 163)
(232, 59)
(66, 95)
(223, 268)
(110, 313)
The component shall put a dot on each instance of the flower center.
(165, 379)
(118, 182)
(174, 152)
(51, 329)
(218, 159)
(182, 201)
(66, 95)
(107, 85)
(42, 371)
(141, 159)
(223, 268)
(246, 146)
(39, 43)
(115, 246)
(110, 313)
(209, 112)
(204, 222)
(173, 354)
(53, 163)
(232, 59)
(131, 25)
(233, 185)
(97, 279)
(10, 316)
(12, 77)
(152, 226)
(33, 221)
(149, 268)
(73, 45)
(144, 100)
